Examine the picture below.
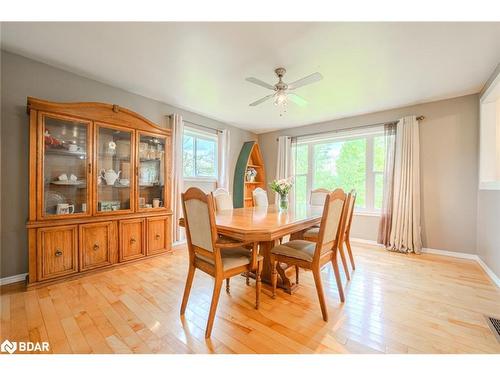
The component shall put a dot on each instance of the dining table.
(268, 226)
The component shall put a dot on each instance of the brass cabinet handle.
(157, 236)
(96, 247)
(58, 253)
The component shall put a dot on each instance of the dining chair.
(318, 196)
(260, 198)
(218, 256)
(347, 235)
(222, 200)
(312, 235)
(315, 255)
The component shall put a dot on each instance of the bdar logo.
(9, 347)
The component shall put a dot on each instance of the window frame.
(206, 136)
(342, 136)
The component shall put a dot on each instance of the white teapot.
(110, 176)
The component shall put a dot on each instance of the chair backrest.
(318, 197)
(350, 212)
(222, 200)
(332, 225)
(199, 218)
(260, 198)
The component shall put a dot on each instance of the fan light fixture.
(283, 91)
(281, 98)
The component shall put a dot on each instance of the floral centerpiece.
(282, 188)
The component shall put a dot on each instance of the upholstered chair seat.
(233, 257)
(312, 233)
(298, 249)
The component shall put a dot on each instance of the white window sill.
(489, 185)
(367, 213)
(200, 179)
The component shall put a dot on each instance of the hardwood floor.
(394, 304)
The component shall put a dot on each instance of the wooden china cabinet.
(99, 188)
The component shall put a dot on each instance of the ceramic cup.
(156, 202)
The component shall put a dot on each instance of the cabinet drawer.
(57, 251)
(158, 234)
(132, 239)
(97, 245)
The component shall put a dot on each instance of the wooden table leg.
(284, 281)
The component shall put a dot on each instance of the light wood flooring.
(394, 304)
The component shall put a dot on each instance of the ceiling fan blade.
(262, 100)
(297, 99)
(260, 83)
(315, 77)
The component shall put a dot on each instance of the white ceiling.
(201, 67)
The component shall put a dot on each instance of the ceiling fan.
(282, 90)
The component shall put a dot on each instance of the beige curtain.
(405, 226)
(284, 165)
(384, 229)
(177, 126)
(223, 155)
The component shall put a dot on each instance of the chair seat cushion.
(312, 232)
(233, 257)
(298, 249)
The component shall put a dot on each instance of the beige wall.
(448, 144)
(22, 77)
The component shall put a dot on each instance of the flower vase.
(283, 202)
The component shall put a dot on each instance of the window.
(199, 154)
(349, 160)
(489, 136)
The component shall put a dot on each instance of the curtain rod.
(419, 118)
(200, 125)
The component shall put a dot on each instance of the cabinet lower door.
(158, 234)
(97, 245)
(57, 251)
(132, 239)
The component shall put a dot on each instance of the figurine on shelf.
(251, 173)
(50, 141)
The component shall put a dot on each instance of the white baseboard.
(13, 279)
(366, 242)
(489, 272)
(452, 254)
(446, 253)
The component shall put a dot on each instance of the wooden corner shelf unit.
(99, 188)
(249, 158)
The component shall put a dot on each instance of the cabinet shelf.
(250, 157)
(114, 186)
(64, 152)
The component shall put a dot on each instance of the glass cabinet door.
(114, 169)
(65, 167)
(151, 173)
